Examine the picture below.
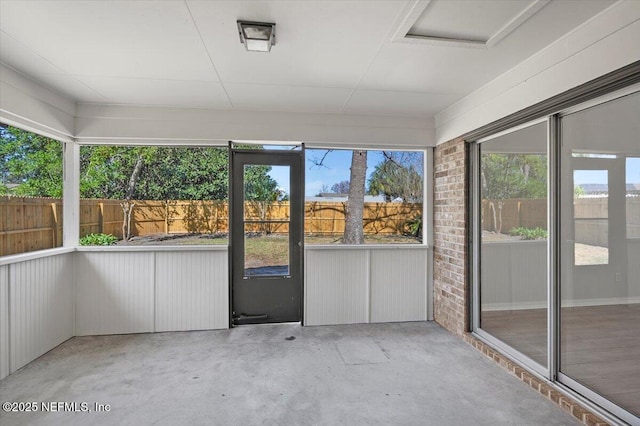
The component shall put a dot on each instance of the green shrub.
(98, 240)
(529, 233)
(414, 226)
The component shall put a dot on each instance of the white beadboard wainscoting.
(36, 308)
(114, 292)
(363, 284)
(4, 321)
(514, 276)
(192, 291)
(49, 297)
(154, 289)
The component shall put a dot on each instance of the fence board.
(532, 213)
(28, 224)
(514, 213)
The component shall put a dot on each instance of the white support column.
(71, 195)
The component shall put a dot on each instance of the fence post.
(54, 225)
(100, 218)
(166, 216)
(215, 219)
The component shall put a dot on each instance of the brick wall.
(450, 237)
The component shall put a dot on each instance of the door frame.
(616, 222)
(261, 152)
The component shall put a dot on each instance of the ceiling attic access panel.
(473, 24)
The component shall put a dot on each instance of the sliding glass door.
(556, 248)
(600, 251)
(513, 239)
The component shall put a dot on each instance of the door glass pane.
(513, 257)
(266, 215)
(591, 217)
(600, 309)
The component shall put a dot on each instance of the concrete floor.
(387, 374)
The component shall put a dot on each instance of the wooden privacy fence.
(29, 224)
(591, 217)
(327, 218)
(153, 217)
(504, 215)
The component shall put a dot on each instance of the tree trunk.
(494, 224)
(353, 230)
(133, 180)
(127, 205)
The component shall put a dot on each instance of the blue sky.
(337, 163)
(335, 169)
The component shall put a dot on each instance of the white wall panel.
(398, 285)
(514, 275)
(4, 321)
(41, 307)
(128, 124)
(192, 290)
(359, 284)
(336, 287)
(496, 276)
(529, 273)
(114, 292)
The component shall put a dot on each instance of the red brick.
(578, 412)
(593, 420)
(554, 396)
(565, 404)
(450, 237)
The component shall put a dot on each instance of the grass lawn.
(260, 250)
(267, 250)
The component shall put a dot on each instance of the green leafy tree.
(31, 165)
(258, 185)
(260, 190)
(508, 176)
(400, 175)
(172, 173)
(31, 162)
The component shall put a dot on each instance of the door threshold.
(270, 324)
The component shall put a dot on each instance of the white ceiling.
(330, 56)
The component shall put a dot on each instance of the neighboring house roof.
(341, 198)
(601, 190)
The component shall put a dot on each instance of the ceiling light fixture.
(257, 36)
